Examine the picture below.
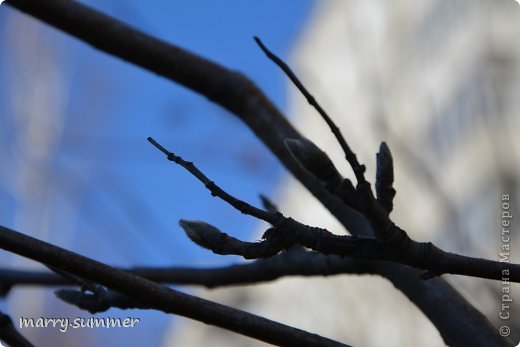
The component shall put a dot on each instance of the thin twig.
(359, 170)
(290, 263)
(366, 203)
(215, 190)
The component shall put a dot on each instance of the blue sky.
(124, 196)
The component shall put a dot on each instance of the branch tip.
(158, 146)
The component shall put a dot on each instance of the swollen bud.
(314, 161)
(385, 177)
(203, 234)
(385, 163)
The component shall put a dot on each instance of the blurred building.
(438, 80)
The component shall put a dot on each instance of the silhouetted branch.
(215, 190)
(100, 300)
(9, 334)
(234, 92)
(288, 232)
(302, 263)
(290, 263)
(359, 198)
(158, 296)
(365, 202)
(359, 170)
(429, 257)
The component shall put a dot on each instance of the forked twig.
(359, 169)
(288, 232)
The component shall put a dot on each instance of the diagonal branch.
(226, 88)
(215, 190)
(9, 334)
(359, 170)
(156, 295)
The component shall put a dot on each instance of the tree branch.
(100, 300)
(359, 170)
(237, 94)
(215, 190)
(156, 295)
(290, 263)
(288, 232)
(9, 334)
(226, 88)
(431, 258)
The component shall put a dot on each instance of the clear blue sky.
(131, 197)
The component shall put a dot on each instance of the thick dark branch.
(9, 334)
(359, 170)
(227, 88)
(156, 295)
(84, 284)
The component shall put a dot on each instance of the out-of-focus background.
(438, 80)
(78, 171)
